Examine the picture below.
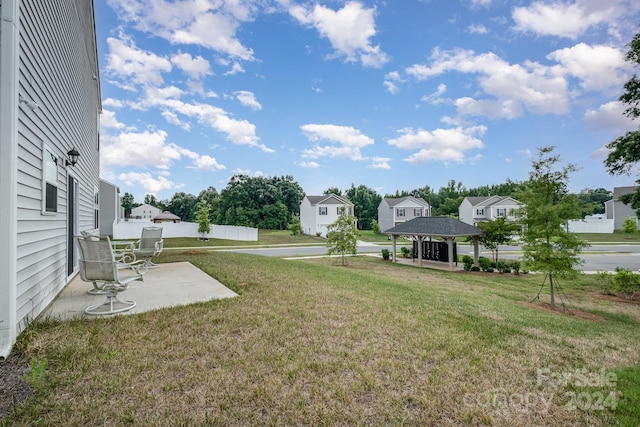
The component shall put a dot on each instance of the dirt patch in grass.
(572, 312)
(13, 388)
(616, 298)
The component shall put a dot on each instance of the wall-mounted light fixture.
(29, 103)
(73, 157)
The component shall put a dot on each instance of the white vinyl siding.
(56, 64)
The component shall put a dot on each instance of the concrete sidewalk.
(169, 285)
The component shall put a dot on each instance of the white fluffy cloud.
(248, 99)
(610, 116)
(569, 18)
(511, 87)
(141, 149)
(151, 184)
(597, 67)
(349, 30)
(444, 145)
(209, 24)
(133, 66)
(342, 141)
(195, 67)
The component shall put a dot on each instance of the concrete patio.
(169, 285)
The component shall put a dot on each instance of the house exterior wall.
(109, 207)
(617, 210)
(391, 214)
(478, 209)
(51, 97)
(145, 212)
(385, 216)
(465, 212)
(312, 222)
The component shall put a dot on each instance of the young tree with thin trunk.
(548, 247)
(495, 233)
(342, 235)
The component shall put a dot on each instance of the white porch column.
(450, 241)
(393, 239)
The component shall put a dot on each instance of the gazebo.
(166, 216)
(436, 226)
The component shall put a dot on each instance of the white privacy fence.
(591, 225)
(133, 230)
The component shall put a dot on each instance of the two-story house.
(318, 212)
(396, 210)
(617, 210)
(50, 107)
(474, 210)
(145, 211)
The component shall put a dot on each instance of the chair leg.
(112, 305)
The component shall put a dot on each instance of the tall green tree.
(332, 190)
(548, 246)
(183, 205)
(625, 150)
(495, 233)
(265, 202)
(365, 203)
(342, 236)
(128, 204)
(212, 198)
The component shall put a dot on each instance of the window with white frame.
(514, 212)
(480, 212)
(400, 212)
(417, 212)
(501, 212)
(49, 182)
(322, 210)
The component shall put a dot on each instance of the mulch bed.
(13, 388)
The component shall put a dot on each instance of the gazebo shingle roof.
(439, 226)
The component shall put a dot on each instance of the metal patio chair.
(149, 245)
(99, 266)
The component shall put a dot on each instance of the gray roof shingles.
(435, 226)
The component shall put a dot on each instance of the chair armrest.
(159, 246)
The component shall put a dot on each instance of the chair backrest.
(96, 259)
(150, 236)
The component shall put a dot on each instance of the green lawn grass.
(313, 343)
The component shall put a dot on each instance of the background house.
(474, 210)
(49, 107)
(616, 210)
(145, 212)
(318, 212)
(395, 210)
(111, 209)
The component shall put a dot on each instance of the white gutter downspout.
(9, 72)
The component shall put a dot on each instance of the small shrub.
(405, 252)
(515, 266)
(467, 262)
(605, 281)
(475, 268)
(626, 282)
(485, 264)
(503, 267)
(386, 254)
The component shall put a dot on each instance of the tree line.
(273, 202)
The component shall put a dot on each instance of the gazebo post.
(419, 250)
(393, 239)
(476, 251)
(450, 251)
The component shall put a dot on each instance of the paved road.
(597, 257)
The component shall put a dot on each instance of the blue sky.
(392, 95)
